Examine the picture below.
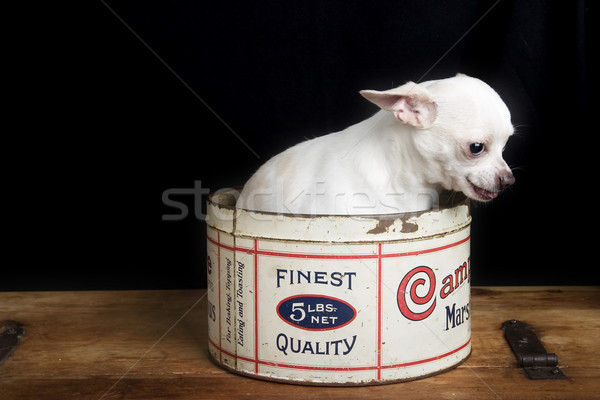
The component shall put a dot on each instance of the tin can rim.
(223, 215)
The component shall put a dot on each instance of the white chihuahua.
(444, 134)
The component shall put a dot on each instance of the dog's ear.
(410, 103)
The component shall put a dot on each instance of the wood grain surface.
(153, 345)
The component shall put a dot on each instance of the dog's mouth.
(481, 193)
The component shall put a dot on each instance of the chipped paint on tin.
(338, 300)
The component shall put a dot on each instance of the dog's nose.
(506, 180)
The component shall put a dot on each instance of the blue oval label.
(315, 312)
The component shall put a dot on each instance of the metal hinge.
(530, 353)
(11, 333)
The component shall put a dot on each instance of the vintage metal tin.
(338, 300)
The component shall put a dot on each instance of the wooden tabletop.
(153, 345)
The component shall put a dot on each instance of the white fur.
(396, 161)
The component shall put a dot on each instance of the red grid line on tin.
(343, 369)
(255, 251)
(232, 355)
(379, 311)
(256, 359)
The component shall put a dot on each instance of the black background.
(113, 104)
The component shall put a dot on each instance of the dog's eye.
(477, 148)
